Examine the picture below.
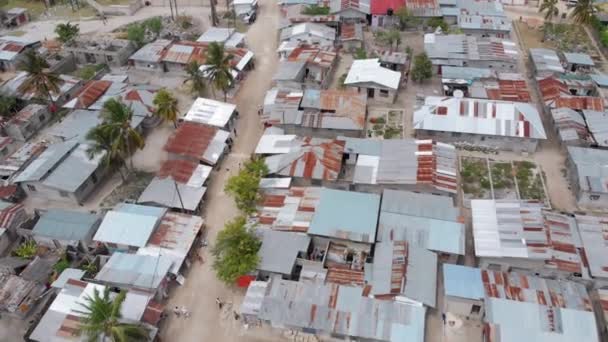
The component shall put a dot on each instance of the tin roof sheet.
(117, 226)
(279, 250)
(151, 52)
(591, 168)
(346, 215)
(168, 193)
(134, 270)
(578, 58)
(210, 112)
(201, 142)
(66, 225)
(424, 220)
(369, 71)
(594, 236)
(483, 117)
(462, 281)
(444, 49)
(289, 209)
(546, 60)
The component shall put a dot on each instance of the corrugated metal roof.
(424, 220)
(173, 238)
(578, 58)
(315, 158)
(521, 229)
(201, 142)
(546, 60)
(341, 310)
(346, 215)
(600, 79)
(21, 158)
(453, 73)
(65, 177)
(324, 57)
(591, 168)
(597, 122)
(210, 112)
(168, 193)
(289, 70)
(67, 274)
(130, 226)
(452, 49)
(310, 29)
(351, 31)
(288, 209)
(369, 71)
(463, 282)
(46, 161)
(483, 117)
(280, 249)
(410, 161)
(178, 53)
(133, 270)
(594, 237)
(228, 36)
(186, 172)
(334, 109)
(402, 270)
(151, 52)
(571, 126)
(66, 225)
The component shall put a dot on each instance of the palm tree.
(583, 12)
(549, 7)
(102, 319)
(117, 124)
(166, 106)
(220, 68)
(196, 79)
(100, 140)
(40, 81)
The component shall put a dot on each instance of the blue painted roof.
(600, 79)
(65, 225)
(462, 281)
(346, 215)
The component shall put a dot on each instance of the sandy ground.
(202, 287)
(40, 30)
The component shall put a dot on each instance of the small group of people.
(220, 305)
(181, 312)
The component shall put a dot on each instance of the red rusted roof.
(323, 57)
(344, 276)
(179, 170)
(381, 7)
(190, 140)
(580, 103)
(90, 93)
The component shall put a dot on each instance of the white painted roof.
(210, 112)
(370, 71)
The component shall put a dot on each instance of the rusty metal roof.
(288, 209)
(196, 141)
(334, 109)
(323, 57)
(556, 93)
(315, 158)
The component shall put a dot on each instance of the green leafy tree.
(549, 8)
(244, 186)
(438, 22)
(155, 25)
(315, 10)
(220, 68)
(40, 80)
(360, 53)
(604, 37)
(67, 32)
(90, 268)
(583, 12)
(423, 68)
(8, 103)
(136, 33)
(100, 140)
(26, 250)
(165, 104)
(406, 19)
(102, 319)
(196, 79)
(235, 250)
(116, 124)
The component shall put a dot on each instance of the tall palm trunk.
(214, 21)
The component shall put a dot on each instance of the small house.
(283, 260)
(199, 143)
(245, 9)
(511, 126)
(309, 33)
(594, 247)
(578, 62)
(114, 52)
(137, 273)
(12, 50)
(290, 74)
(128, 227)
(546, 62)
(320, 63)
(149, 57)
(27, 122)
(65, 229)
(227, 36)
(383, 12)
(587, 177)
(212, 113)
(463, 291)
(16, 17)
(369, 77)
(63, 172)
(351, 11)
(351, 36)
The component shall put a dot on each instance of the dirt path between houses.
(202, 287)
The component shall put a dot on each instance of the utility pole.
(176, 11)
(171, 6)
(213, 13)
